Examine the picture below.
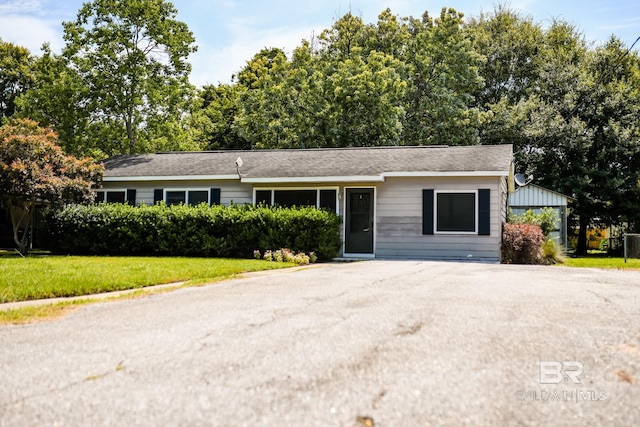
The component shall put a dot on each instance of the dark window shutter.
(484, 212)
(99, 196)
(131, 196)
(158, 195)
(427, 211)
(215, 196)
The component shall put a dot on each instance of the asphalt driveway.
(382, 343)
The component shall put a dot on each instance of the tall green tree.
(339, 95)
(583, 127)
(512, 46)
(132, 56)
(213, 120)
(57, 100)
(16, 76)
(444, 75)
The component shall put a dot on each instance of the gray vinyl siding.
(399, 220)
(230, 191)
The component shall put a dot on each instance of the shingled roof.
(329, 163)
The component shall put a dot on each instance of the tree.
(132, 56)
(512, 45)
(582, 131)
(33, 170)
(569, 110)
(57, 99)
(16, 76)
(337, 95)
(213, 123)
(443, 77)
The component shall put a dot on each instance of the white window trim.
(274, 189)
(112, 190)
(186, 195)
(435, 212)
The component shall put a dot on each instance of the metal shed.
(534, 197)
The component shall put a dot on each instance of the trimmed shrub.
(217, 231)
(522, 243)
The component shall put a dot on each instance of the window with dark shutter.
(456, 212)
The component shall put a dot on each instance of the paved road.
(374, 343)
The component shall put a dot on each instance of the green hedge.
(218, 231)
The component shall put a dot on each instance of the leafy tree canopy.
(16, 76)
(33, 169)
(132, 58)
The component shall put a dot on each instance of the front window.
(319, 198)
(111, 196)
(456, 212)
(186, 197)
(289, 198)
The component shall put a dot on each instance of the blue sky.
(229, 32)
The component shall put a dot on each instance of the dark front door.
(359, 221)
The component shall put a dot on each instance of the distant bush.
(547, 219)
(522, 244)
(217, 231)
(552, 253)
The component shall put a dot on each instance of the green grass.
(599, 261)
(38, 277)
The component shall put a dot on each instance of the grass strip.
(603, 262)
(41, 277)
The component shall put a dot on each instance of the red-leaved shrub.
(522, 243)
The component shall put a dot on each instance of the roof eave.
(446, 173)
(307, 179)
(310, 179)
(170, 178)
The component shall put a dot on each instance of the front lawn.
(600, 261)
(37, 277)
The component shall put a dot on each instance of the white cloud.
(216, 65)
(21, 6)
(30, 32)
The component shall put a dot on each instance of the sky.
(230, 32)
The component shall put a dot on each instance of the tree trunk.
(131, 135)
(21, 216)
(582, 236)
